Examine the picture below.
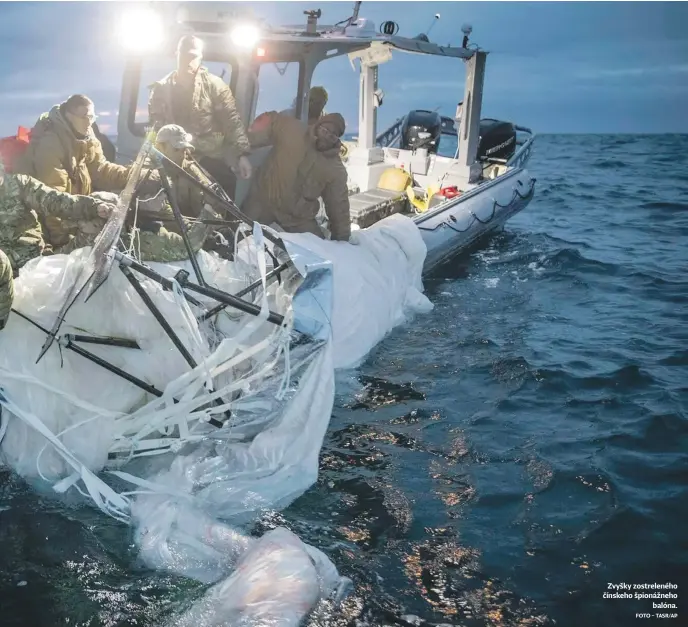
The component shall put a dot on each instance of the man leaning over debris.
(203, 105)
(65, 154)
(25, 204)
(303, 166)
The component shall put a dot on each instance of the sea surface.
(498, 462)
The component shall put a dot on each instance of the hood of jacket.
(56, 122)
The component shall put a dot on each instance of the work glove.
(355, 237)
(108, 197)
(104, 210)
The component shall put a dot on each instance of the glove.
(105, 209)
(108, 197)
(355, 238)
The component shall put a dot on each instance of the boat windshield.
(278, 87)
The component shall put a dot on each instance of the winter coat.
(294, 176)
(25, 205)
(214, 122)
(58, 158)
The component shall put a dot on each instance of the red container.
(11, 148)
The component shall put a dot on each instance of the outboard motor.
(421, 129)
(497, 140)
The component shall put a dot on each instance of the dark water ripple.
(494, 463)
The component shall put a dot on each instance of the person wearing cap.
(175, 143)
(303, 167)
(65, 154)
(203, 105)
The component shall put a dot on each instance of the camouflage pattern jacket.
(190, 197)
(6, 289)
(215, 125)
(57, 157)
(25, 204)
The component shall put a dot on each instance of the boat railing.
(525, 139)
(522, 155)
(390, 135)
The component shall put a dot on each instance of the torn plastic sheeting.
(276, 582)
(377, 284)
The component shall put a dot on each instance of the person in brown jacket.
(204, 106)
(303, 166)
(65, 154)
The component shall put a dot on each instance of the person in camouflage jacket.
(25, 204)
(176, 144)
(65, 154)
(6, 289)
(202, 104)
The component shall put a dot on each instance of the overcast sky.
(556, 67)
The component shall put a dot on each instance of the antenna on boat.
(424, 36)
(432, 24)
(354, 16)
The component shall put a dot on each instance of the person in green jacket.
(203, 104)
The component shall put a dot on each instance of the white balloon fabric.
(72, 424)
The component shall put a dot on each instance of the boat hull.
(451, 228)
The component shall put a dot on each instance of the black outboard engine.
(421, 129)
(497, 140)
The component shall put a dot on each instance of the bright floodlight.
(245, 35)
(141, 30)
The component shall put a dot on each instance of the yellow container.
(394, 180)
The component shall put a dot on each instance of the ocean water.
(498, 462)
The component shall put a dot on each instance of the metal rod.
(229, 299)
(172, 197)
(166, 283)
(158, 316)
(256, 284)
(105, 341)
(165, 325)
(146, 387)
(229, 205)
(114, 369)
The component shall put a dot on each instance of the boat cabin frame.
(308, 46)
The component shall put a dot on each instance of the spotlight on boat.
(245, 36)
(141, 30)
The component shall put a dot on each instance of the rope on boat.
(475, 218)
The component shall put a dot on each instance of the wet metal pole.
(172, 197)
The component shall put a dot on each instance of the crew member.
(65, 154)
(303, 166)
(203, 104)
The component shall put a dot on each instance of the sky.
(569, 67)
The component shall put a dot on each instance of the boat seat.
(369, 207)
